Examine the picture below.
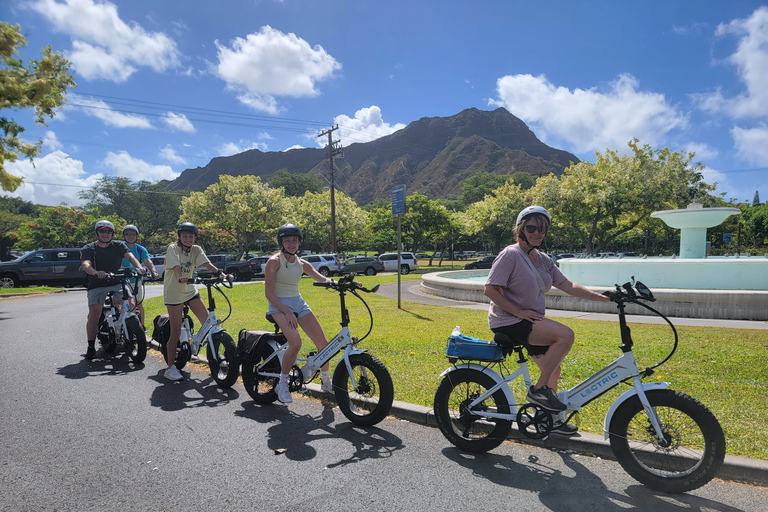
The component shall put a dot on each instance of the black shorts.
(186, 303)
(519, 333)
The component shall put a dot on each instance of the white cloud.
(750, 60)
(101, 110)
(136, 170)
(270, 63)
(703, 151)
(366, 126)
(53, 179)
(168, 153)
(178, 122)
(233, 148)
(104, 46)
(51, 142)
(752, 144)
(589, 120)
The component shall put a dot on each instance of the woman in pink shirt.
(516, 284)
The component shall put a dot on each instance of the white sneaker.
(326, 386)
(283, 393)
(172, 373)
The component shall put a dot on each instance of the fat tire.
(676, 468)
(223, 362)
(261, 389)
(464, 430)
(135, 340)
(181, 357)
(373, 401)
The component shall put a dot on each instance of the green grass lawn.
(723, 368)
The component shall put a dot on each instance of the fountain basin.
(733, 304)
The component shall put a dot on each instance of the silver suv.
(326, 264)
(408, 262)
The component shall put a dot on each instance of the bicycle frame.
(205, 334)
(123, 313)
(622, 369)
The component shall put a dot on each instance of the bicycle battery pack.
(467, 347)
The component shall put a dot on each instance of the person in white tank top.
(282, 274)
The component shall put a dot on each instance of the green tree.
(312, 212)
(242, 206)
(598, 202)
(525, 180)
(14, 212)
(41, 84)
(479, 185)
(296, 184)
(494, 217)
(153, 209)
(61, 226)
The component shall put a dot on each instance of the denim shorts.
(295, 304)
(99, 295)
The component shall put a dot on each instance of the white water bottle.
(456, 331)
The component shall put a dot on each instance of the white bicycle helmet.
(530, 210)
(105, 224)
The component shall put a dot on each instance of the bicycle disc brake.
(534, 422)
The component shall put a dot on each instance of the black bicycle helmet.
(288, 230)
(187, 227)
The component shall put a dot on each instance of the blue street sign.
(398, 200)
(726, 237)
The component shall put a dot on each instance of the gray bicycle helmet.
(131, 227)
(187, 227)
(105, 224)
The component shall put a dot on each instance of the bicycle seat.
(507, 344)
(272, 320)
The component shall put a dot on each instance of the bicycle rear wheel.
(135, 340)
(691, 453)
(259, 387)
(456, 421)
(223, 361)
(372, 400)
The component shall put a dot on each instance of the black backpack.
(250, 344)
(162, 330)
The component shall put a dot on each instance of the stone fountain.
(693, 222)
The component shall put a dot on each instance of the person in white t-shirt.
(181, 259)
(516, 284)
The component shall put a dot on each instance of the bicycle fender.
(626, 396)
(483, 369)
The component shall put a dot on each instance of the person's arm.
(133, 261)
(217, 271)
(88, 269)
(496, 294)
(581, 292)
(312, 272)
(151, 266)
(270, 277)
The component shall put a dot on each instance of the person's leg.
(312, 327)
(199, 309)
(558, 339)
(174, 319)
(294, 342)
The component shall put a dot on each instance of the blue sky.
(168, 85)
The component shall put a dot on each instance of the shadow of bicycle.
(579, 489)
(190, 392)
(104, 364)
(294, 435)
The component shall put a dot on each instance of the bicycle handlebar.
(212, 281)
(626, 293)
(347, 283)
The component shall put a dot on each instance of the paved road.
(109, 435)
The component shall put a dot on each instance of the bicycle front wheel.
(371, 400)
(691, 453)
(223, 361)
(135, 340)
(260, 387)
(456, 421)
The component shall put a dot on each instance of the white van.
(408, 262)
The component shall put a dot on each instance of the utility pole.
(334, 148)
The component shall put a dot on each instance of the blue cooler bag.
(467, 347)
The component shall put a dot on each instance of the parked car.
(326, 264)
(484, 262)
(423, 256)
(408, 262)
(363, 265)
(241, 270)
(159, 262)
(261, 261)
(464, 255)
(44, 267)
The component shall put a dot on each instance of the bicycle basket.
(467, 347)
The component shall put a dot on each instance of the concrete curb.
(735, 469)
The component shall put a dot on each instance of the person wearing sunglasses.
(98, 258)
(516, 284)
